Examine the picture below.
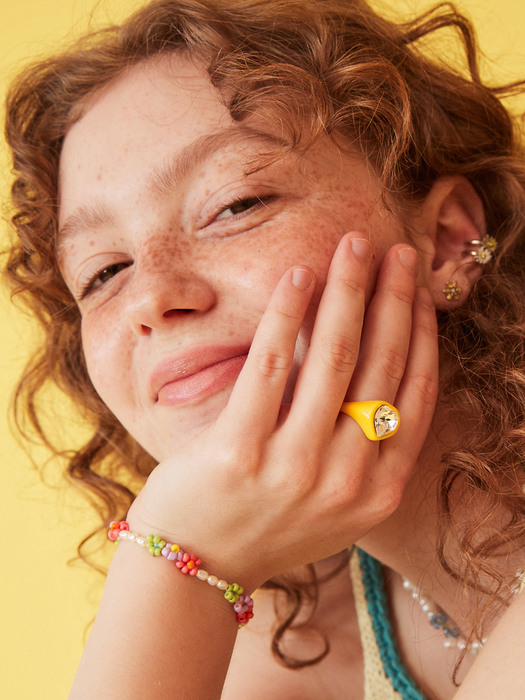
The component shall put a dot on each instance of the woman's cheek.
(108, 354)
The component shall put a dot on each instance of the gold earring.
(452, 290)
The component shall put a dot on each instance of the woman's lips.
(194, 375)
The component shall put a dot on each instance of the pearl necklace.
(440, 620)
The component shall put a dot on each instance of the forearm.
(158, 634)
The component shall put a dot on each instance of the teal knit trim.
(378, 611)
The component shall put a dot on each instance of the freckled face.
(172, 242)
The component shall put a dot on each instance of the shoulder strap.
(386, 677)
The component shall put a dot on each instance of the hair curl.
(335, 67)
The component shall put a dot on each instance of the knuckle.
(393, 363)
(345, 489)
(401, 295)
(305, 471)
(295, 486)
(387, 500)
(287, 311)
(230, 454)
(338, 498)
(340, 353)
(272, 363)
(425, 386)
(356, 488)
(353, 286)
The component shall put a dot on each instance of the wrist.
(221, 558)
(187, 564)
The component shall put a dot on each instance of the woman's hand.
(270, 486)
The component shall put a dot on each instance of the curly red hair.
(334, 67)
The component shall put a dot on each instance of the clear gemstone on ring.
(385, 420)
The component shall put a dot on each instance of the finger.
(386, 477)
(253, 408)
(334, 346)
(418, 390)
(387, 329)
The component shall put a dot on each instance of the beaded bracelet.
(187, 564)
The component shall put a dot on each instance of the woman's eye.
(240, 206)
(102, 277)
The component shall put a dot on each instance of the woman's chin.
(172, 431)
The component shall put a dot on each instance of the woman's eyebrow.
(85, 218)
(168, 176)
(183, 163)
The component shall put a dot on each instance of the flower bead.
(171, 551)
(115, 527)
(438, 620)
(155, 545)
(233, 592)
(243, 609)
(243, 604)
(188, 564)
(244, 618)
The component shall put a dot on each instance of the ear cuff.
(482, 252)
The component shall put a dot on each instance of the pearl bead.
(202, 575)
(434, 616)
(213, 580)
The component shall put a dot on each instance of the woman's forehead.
(171, 94)
(164, 118)
(159, 107)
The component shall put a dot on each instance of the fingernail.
(361, 248)
(301, 278)
(424, 297)
(409, 258)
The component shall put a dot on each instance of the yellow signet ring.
(377, 419)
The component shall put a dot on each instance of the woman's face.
(173, 238)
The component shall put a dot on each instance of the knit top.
(386, 677)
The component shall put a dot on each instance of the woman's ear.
(452, 217)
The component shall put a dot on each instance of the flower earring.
(452, 290)
(483, 250)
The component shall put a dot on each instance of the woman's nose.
(157, 299)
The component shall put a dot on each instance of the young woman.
(236, 222)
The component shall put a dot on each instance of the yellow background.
(46, 605)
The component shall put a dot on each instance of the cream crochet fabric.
(377, 684)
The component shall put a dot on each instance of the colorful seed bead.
(244, 609)
(115, 527)
(233, 591)
(187, 564)
(155, 545)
